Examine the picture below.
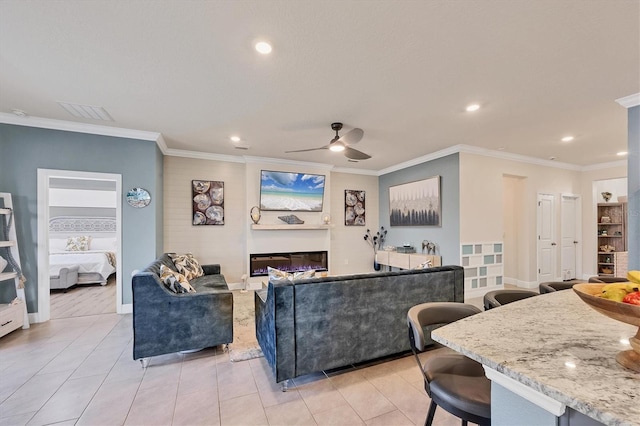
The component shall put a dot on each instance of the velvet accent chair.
(453, 382)
(607, 280)
(497, 298)
(552, 286)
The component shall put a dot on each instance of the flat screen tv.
(295, 192)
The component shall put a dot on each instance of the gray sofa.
(323, 323)
(165, 322)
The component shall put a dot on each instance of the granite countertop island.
(557, 346)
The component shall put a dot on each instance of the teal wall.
(23, 150)
(633, 188)
(447, 237)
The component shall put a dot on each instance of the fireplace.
(289, 262)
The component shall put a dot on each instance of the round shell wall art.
(208, 202)
(354, 207)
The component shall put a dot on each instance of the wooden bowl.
(619, 311)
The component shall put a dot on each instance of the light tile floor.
(80, 371)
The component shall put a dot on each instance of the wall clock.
(138, 197)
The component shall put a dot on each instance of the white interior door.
(570, 226)
(546, 243)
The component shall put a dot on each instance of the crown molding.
(517, 157)
(420, 160)
(202, 155)
(280, 161)
(629, 101)
(611, 165)
(352, 171)
(72, 126)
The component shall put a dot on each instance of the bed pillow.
(278, 275)
(105, 244)
(187, 265)
(175, 281)
(78, 243)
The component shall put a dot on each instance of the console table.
(406, 260)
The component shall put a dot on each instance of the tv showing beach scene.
(284, 191)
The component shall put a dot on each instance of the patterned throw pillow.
(278, 275)
(424, 265)
(174, 281)
(187, 265)
(78, 243)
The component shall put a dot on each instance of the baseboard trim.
(520, 283)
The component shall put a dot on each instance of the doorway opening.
(80, 207)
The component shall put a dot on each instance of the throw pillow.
(175, 281)
(78, 243)
(187, 265)
(278, 275)
(3, 263)
(424, 265)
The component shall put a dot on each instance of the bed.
(87, 244)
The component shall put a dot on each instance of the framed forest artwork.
(354, 207)
(208, 202)
(415, 203)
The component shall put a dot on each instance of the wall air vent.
(244, 147)
(86, 111)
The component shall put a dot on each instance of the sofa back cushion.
(344, 320)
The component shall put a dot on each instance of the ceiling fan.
(342, 143)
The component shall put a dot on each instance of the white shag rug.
(244, 346)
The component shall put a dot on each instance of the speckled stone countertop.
(559, 346)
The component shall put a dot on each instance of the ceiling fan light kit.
(342, 143)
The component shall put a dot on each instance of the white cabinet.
(406, 260)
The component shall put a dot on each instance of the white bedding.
(91, 261)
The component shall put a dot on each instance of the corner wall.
(25, 149)
(447, 236)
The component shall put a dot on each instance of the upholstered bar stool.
(607, 280)
(550, 287)
(452, 381)
(496, 298)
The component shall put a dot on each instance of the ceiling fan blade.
(354, 154)
(307, 150)
(352, 136)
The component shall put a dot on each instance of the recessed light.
(570, 364)
(567, 139)
(622, 153)
(473, 107)
(263, 47)
(235, 139)
(502, 148)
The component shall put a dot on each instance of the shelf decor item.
(415, 203)
(606, 196)
(291, 219)
(255, 214)
(207, 202)
(624, 312)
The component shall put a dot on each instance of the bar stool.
(452, 381)
(608, 280)
(550, 287)
(496, 298)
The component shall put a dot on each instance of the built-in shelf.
(7, 243)
(284, 227)
(5, 211)
(7, 275)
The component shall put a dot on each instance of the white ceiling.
(403, 71)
